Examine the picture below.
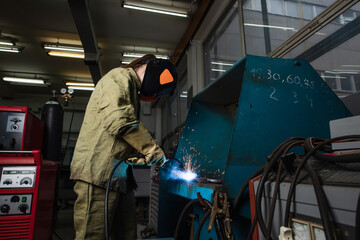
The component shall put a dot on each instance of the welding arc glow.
(184, 175)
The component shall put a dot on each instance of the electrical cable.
(243, 188)
(182, 215)
(301, 165)
(347, 157)
(273, 202)
(107, 197)
(283, 148)
(201, 224)
(253, 226)
(322, 203)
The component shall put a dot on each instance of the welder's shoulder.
(119, 76)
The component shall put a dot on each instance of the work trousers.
(89, 213)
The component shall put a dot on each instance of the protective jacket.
(111, 130)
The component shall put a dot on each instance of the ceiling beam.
(191, 30)
(82, 19)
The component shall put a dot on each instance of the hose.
(108, 191)
(322, 203)
(336, 158)
(303, 162)
(273, 202)
(107, 198)
(201, 224)
(243, 188)
(282, 150)
(182, 215)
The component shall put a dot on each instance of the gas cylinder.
(52, 114)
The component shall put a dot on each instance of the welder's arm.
(115, 107)
(140, 139)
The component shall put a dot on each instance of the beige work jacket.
(111, 129)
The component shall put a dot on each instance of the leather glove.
(152, 157)
(141, 140)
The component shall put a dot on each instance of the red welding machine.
(26, 195)
(20, 129)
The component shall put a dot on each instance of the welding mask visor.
(160, 79)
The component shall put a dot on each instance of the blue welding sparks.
(184, 175)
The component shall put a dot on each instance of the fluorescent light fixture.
(218, 70)
(10, 49)
(138, 55)
(350, 65)
(60, 47)
(269, 26)
(81, 88)
(333, 77)
(334, 71)
(6, 42)
(155, 8)
(66, 54)
(125, 62)
(222, 63)
(83, 84)
(24, 80)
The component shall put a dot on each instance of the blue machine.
(236, 122)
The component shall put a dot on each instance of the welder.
(111, 132)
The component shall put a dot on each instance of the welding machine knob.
(7, 182)
(5, 208)
(23, 208)
(15, 199)
(25, 181)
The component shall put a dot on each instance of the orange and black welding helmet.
(160, 79)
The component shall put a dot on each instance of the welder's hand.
(155, 156)
(161, 161)
(135, 161)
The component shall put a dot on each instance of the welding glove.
(142, 141)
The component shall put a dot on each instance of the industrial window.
(357, 83)
(334, 50)
(222, 48)
(184, 95)
(269, 23)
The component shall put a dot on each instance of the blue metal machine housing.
(237, 121)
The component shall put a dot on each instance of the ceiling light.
(66, 54)
(6, 42)
(27, 81)
(336, 71)
(218, 70)
(81, 88)
(138, 55)
(222, 63)
(64, 50)
(63, 47)
(11, 49)
(350, 66)
(155, 8)
(125, 62)
(83, 84)
(333, 77)
(269, 26)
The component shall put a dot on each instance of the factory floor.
(64, 228)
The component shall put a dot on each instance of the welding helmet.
(160, 79)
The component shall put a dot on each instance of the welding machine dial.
(23, 208)
(15, 204)
(17, 176)
(5, 208)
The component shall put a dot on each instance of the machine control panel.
(15, 204)
(17, 176)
